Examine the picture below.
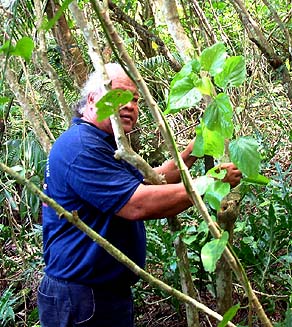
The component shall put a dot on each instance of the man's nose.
(129, 106)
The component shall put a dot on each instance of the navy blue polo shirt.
(82, 174)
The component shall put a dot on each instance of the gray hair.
(96, 83)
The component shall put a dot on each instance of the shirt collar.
(102, 134)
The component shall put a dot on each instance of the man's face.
(129, 112)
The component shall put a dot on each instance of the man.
(83, 284)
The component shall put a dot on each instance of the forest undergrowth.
(262, 238)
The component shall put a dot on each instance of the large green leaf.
(218, 115)
(198, 148)
(245, 155)
(213, 143)
(212, 251)
(212, 59)
(208, 142)
(229, 315)
(190, 67)
(215, 193)
(205, 86)
(183, 91)
(233, 73)
(111, 102)
(24, 48)
(183, 94)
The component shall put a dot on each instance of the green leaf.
(198, 148)
(203, 227)
(229, 315)
(233, 73)
(7, 47)
(24, 48)
(216, 172)
(259, 179)
(213, 143)
(215, 193)
(208, 142)
(205, 86)
(218, 115)
(190, 67)
(4, 100)
(245, 155)
(288, 318)
(212, 59)
(212, 251)
(48, 25)
(10, 199)
(183, 93)
(189, 239)
(111, 102)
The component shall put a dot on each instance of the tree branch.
(116, 253)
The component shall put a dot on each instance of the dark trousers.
(67, 304)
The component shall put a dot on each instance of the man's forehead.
(125, 83)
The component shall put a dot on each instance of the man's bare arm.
(156, 201)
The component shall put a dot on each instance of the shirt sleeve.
(98, 178)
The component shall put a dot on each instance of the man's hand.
(233, 175)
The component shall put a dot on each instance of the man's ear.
(91, 98)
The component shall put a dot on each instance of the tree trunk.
(183, 263)
(144, 33)
(176, 30)
(226, 218)
(70, 51)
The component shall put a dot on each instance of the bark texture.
(226, 218)
(71, 53)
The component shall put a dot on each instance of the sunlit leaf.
(183, 93)
(212, 59)
(23, 48)
(259, 179)
(245, 155)
(208, 142)
(233, 73)
(189, 239)
(198, 149)
(205, 86)
(228, 316)
(218, 115)
(212, 251)
(215, 193)
(190, 67)
(216, 172)
(213, 143)
(111, 102)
